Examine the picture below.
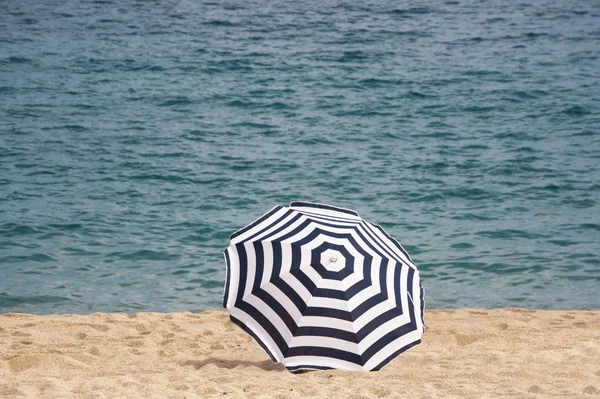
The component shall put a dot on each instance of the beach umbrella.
(318, 288)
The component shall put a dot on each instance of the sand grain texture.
(465, 353)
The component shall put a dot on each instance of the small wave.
(205, 283)
(167, 155)
(74, 128)
(363, 113)
(41, 173)
(426, 198)
(277, 105)
(143, 67)
(15, 230)
(66, 226)
(16, 195)
(481, 73)
(144, 254)
(13, 300)
(30, 21)
(534, 35)
(219, 22)
(376, 82)
(417, 94)
(410, 12)
(80, 252)
(510, 269)
(436, 135)
(315, 141)
(16, 60)
(562, 243)
(468, 265)
(581, 204)
(349, 56)
(473, 216)
(468, 193)
(576, 110)
(39, 258)
(590, 226)
(254, 125)
(241, 104)
(532, 94)
(462, 245)
(435, 166)
(517, 136)
(479, 109)
(167, 178)
(508, 234)
(572, 277)
(7, 89)
(554, 188)
(181, 100)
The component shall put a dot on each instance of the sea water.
(135, 136)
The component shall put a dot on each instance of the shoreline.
(464, 353)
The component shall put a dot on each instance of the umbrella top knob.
(333, 260)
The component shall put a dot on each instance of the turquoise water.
(136, 136)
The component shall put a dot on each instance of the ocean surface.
(135, 136)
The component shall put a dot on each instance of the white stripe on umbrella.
(318, 287)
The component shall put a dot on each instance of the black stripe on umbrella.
(318, 287)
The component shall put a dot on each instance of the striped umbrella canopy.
(318, 287)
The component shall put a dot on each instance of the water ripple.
(133, 143)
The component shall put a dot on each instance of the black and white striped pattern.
(318, 287)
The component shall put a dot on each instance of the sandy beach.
(465, 353)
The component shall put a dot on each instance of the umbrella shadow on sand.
(266, 365)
